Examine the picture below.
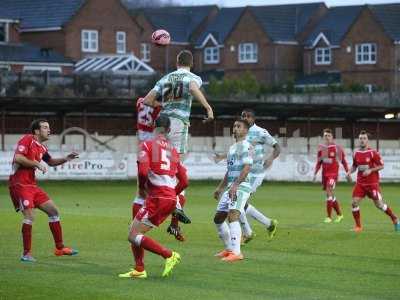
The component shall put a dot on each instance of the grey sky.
(271, 2)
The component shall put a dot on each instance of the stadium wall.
(125, 125)
(128, 144)
(119, 165)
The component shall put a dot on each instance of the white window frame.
(120, 42)
(366, 53)
(211, 55)
(4, 67)
(42, 68)
(323, 56)
(248, 53)
(145, 52)
(90, 40)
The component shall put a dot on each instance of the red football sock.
(138, 253)
(329, 207)
(357, 216)
(135, 209)
(153, 246)
(27, 236)
(55, 227)
(174, 221)
(182, 200)
(336, 206)
(390, 213)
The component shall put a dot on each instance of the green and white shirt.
(240, 154)
(259, 137)
(174, 89)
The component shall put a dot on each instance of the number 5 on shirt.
(165, 160)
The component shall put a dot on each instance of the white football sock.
(255, 214)
(224, 235)
(244, 223)
(236, 234)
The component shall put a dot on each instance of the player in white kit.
(233, 193)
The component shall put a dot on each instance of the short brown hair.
(244, 122)
(35, 125)
(250, 111)
(185, 59)
(327, 130)
(364, 132)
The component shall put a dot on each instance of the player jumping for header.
(174, 93)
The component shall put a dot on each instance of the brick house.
(361, 44)
(263, 40)
(184, 23)
(75, 28)
(18, 57)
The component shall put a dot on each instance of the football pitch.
(306, 260)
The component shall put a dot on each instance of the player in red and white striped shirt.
(368, 162)
(329, 156)
(161, 177)
(146, 117)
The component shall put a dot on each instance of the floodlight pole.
(3, 129)
(166, 59)
(308, 134)
(85, 127)
(353, 133)
(378, 131)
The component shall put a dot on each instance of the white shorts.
(178, 135)
(138, 200)
(144, 136)
(256, 181)
(225, 203)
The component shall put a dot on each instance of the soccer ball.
(161, 37)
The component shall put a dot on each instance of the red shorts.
(24, 197)
(328, 181)
(156, 210)
(372, 191)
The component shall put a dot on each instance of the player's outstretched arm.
(198, 95)
(345, 164)
(27, 163)
(317, 165)
(182, 177)
(221, 187)
(275, 153)
(53, 162)
(242, 177)
(151, 99)
(353, 169)
(219, 157)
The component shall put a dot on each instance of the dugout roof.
(279, 107)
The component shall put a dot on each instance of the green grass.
(307, 260)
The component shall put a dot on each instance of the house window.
(90, 40)
(3, 32)
(121, 42)
(322, 56)
(211, 55)
(365, 54)
(248, 53)
(5, 68)
(145, 52)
